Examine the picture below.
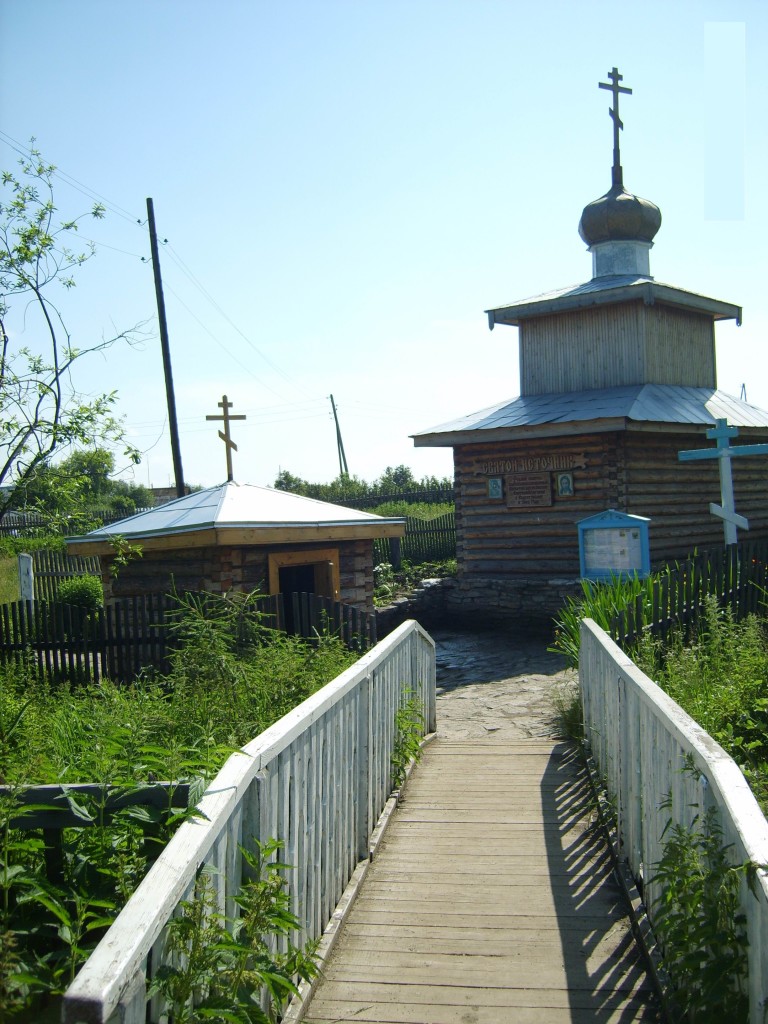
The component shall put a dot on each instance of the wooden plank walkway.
(490, 900)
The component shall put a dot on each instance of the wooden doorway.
(308, 572)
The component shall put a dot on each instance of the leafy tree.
(41, 411)
(397, 481)
(80, 485)
(288, 482)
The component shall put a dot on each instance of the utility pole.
(343, 468)
(172, 424)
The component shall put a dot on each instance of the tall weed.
(720, 680)
(700, 924)
(601, 602)
(231, 678)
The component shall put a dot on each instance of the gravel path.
(497, 684)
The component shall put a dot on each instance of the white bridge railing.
(318, 780)
(641, 741)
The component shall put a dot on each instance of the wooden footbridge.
(489, 897)
(491, 900)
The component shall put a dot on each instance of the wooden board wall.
(631, 471)
(610, 346)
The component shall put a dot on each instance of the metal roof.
(231, 506)
(611, 289)
(640, 403)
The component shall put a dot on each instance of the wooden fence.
(62, 641)
(33, 524)
(425, 540)
(130, 634)
(318, 780)
(737, 575)
(648, 750)
(50, 567)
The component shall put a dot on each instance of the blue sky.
(345, 186)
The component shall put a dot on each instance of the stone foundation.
(521, 604)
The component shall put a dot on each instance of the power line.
(221, 345)
(114, 248)
(184, 430)
(90, 193)
(185, 269)
(120, 211)
(264, 414)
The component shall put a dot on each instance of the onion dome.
(618, 216)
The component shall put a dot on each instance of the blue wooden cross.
(722, 433)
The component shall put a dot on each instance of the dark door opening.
(295, 579)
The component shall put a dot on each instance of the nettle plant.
(240, 970)
(409, 728)
(700, 922)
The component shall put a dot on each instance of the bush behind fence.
(425, 540)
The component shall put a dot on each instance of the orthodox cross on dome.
(224, 434)
(722, 433)
(615, 88)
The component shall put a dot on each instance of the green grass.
(230, 679)
(225, 687)
(720, 680)
(416, 509)
(9, 579)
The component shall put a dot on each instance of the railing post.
(363, 794)
(132, 1008)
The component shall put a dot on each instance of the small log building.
(617, 375)
(240, 537)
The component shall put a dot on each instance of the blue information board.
(614, 544)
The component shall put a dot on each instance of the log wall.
(611, 346)
(526, 559)
(223, 569)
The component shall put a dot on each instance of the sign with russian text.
(527, 490)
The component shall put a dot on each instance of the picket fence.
(425, 540)
(131, 634)
(660, 766)
(318, 780)
(50, 567)
(737, 575)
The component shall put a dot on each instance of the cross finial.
(224, 434)
(615, 88)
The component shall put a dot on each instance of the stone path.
(497, 684)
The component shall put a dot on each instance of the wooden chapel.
(617, 375)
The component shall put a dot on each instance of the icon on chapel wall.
(564, 485)
(495, 487)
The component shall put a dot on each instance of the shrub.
(83, 591)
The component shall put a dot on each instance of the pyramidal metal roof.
(609, 290)
(238, 507)
(640, 403)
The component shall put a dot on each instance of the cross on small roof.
(724, 452)
(224, 434)
(615, 88)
